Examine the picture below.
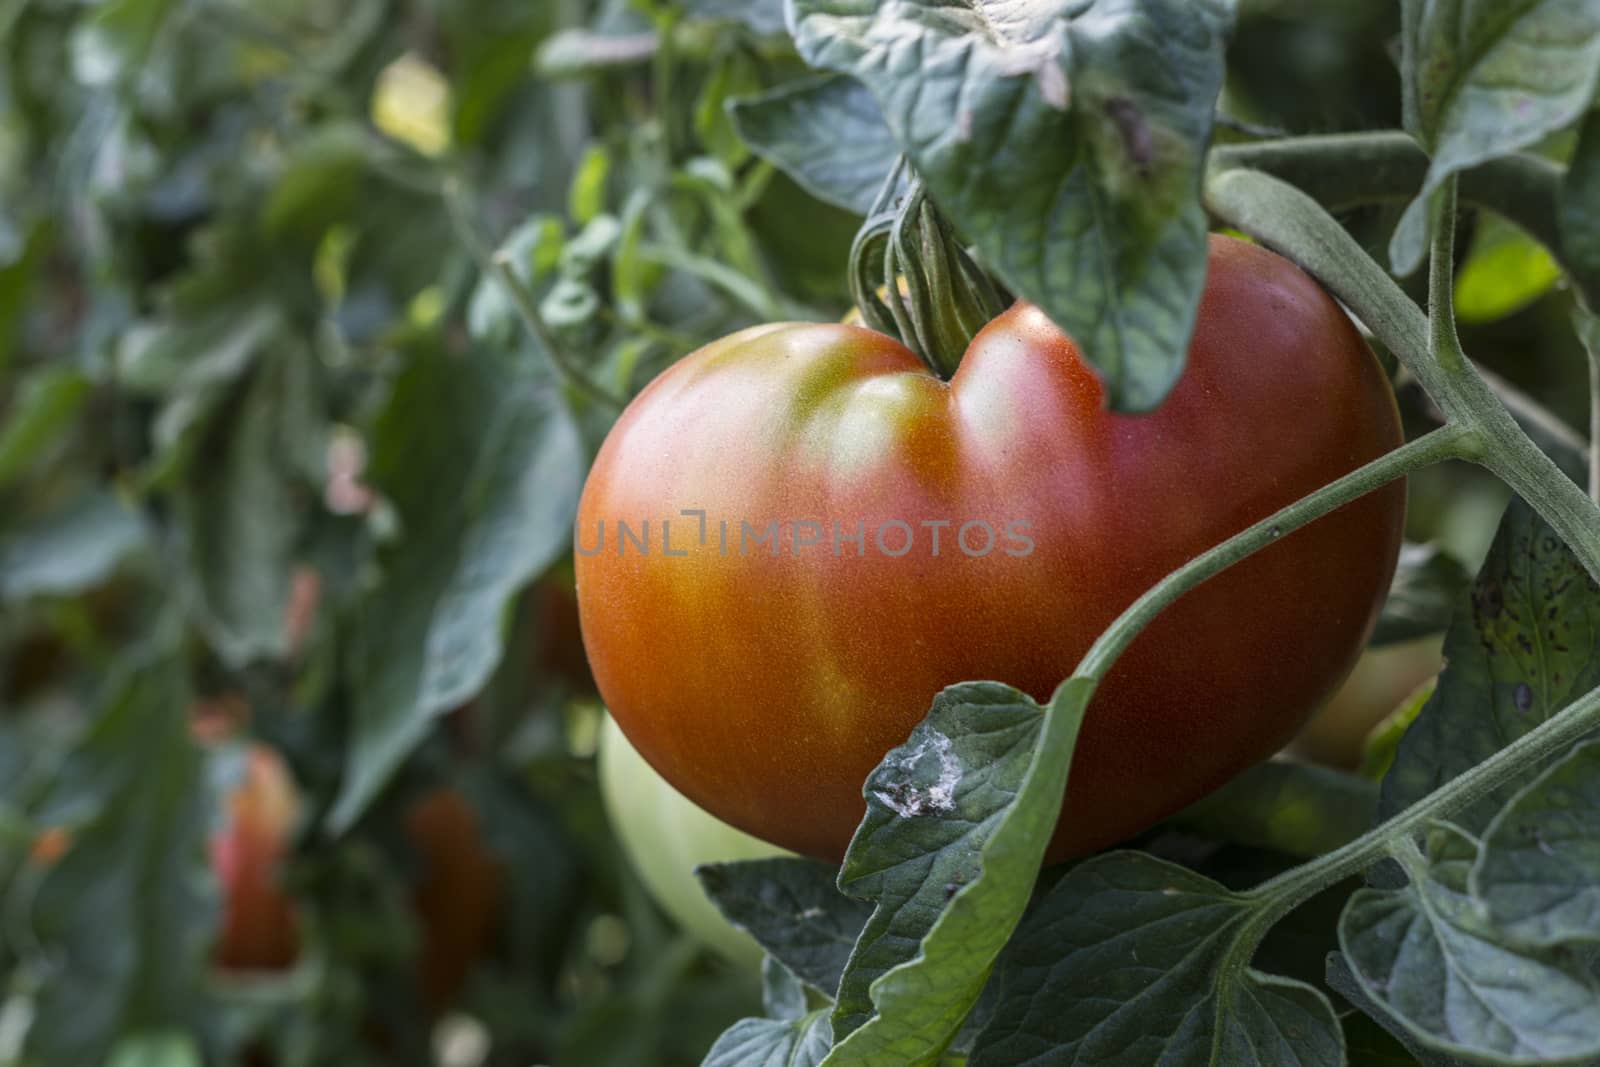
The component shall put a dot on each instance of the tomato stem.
(522, 298)
(1288, 221)
(1447, 442)
(1351, 169)
(934, 296)
(1592, 345)
(1556, 735)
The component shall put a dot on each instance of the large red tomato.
(767, 678)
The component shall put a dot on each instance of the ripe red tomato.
(766, 679)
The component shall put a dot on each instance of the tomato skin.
(766, 687)
(260, 927)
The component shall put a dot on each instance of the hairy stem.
(1347, 170)
(1594, 425)
(521, 298)
(1554, 736)
(1293, 224)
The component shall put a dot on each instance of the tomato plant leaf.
(483, 467)
(1521, 648)
(956, 826)
(1580, 222)
(70, 550)
(825, 133)
(43, 412)
(111, 43)
(243, 507)
(762, 16)
(1484, 80)
(1428, 584)
(1066, 140)
(1427, 957)
(1505, 271)
(136, 867)
(793, 910)
(1133, 960)
(1539, 872)
(1402, 1047)
(783, 996)
(802, 1042)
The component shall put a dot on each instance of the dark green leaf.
(1580, 221)
(957, 822)
(1539, 872)
(139, 868)
(243, 507)
(1484, 80)
(793, 910)
(1066, 140)
(825, 133)
(1132, 960)
(1522, 647)
(70, 550)
(1425, 958)
(1428, 584)
(484, 469)
(44, 410)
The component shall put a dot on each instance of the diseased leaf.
(1130, 960)
(1483, 80)
(483, 467)
(1065, 139)
(956, 826)
(1539, 872)
(793, 910)
(1523, 645)
(825, 133)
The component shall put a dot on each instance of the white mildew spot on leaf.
(908, 799)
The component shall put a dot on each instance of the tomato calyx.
(913, 279)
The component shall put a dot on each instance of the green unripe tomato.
(665, 835)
